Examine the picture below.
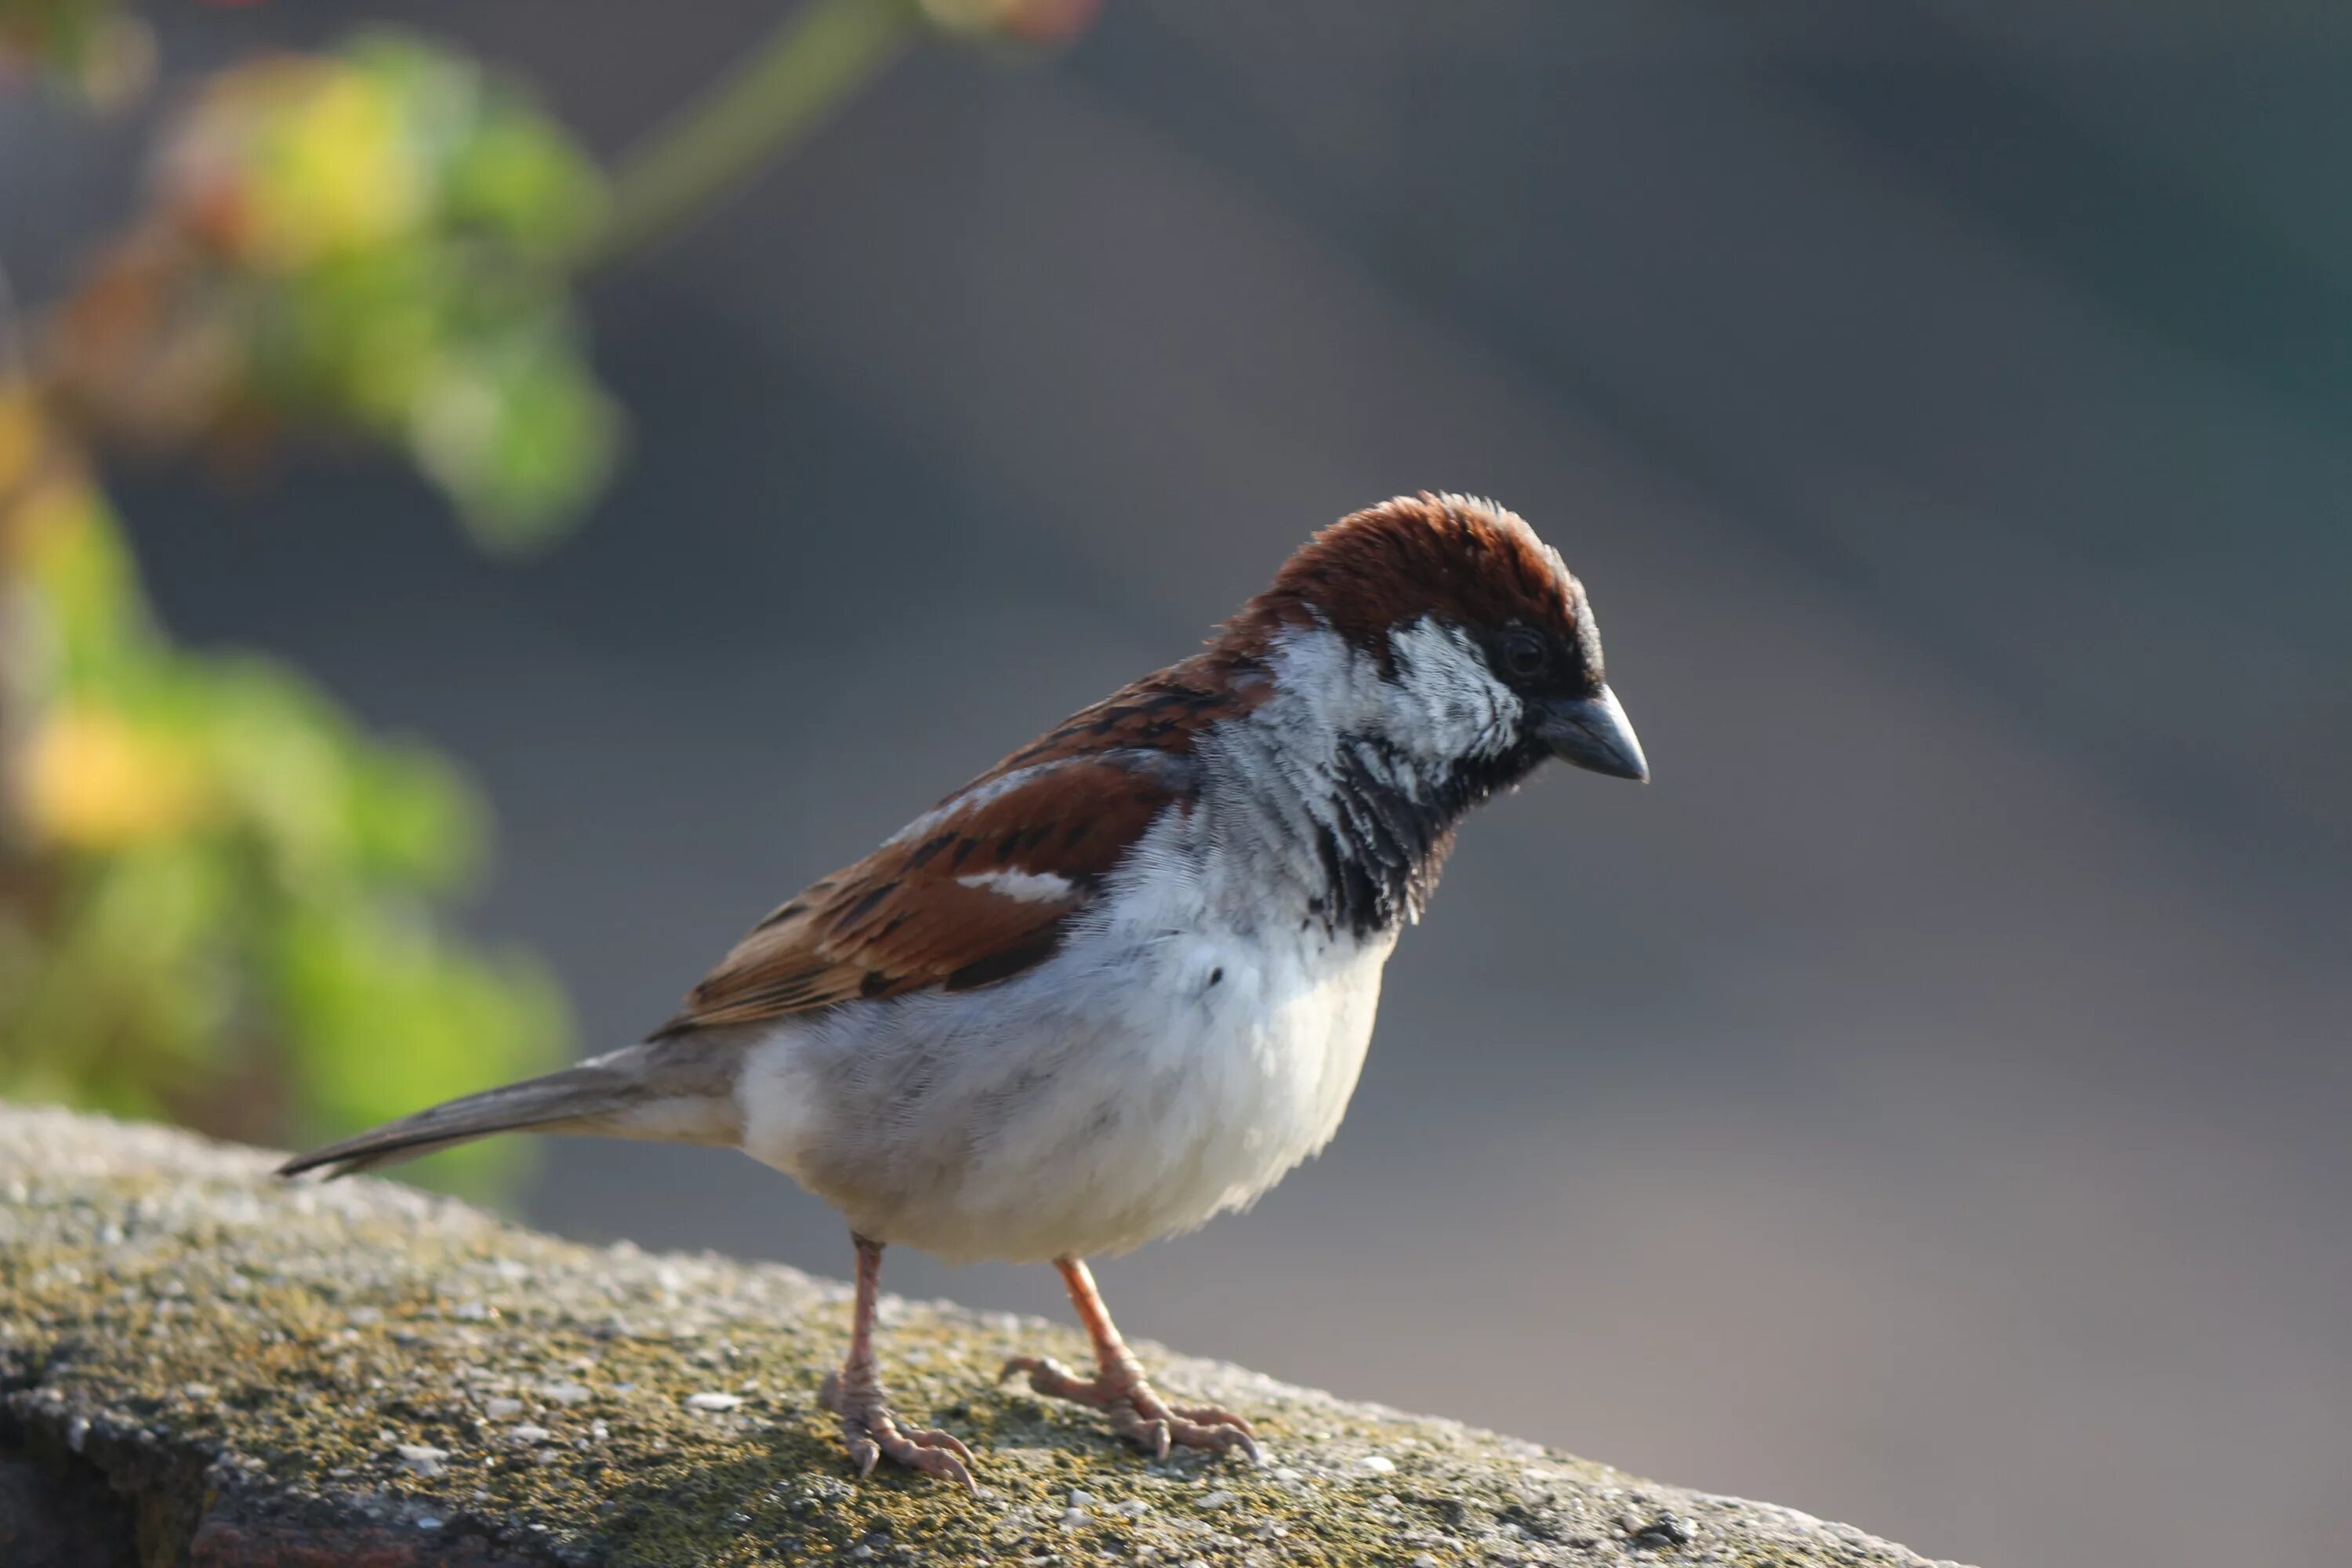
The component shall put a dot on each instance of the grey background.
(1925, 1104)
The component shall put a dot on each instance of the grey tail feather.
(577, 1097)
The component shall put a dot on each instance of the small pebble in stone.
(420, 1458)
(1663, 1530)
(1134, 1508)
(1426, 1561)
(713, 1401)
(1075, 1518)
(1081, 1498)
(1379, 1464)
(566, 1393)
(527, 1434)
(1219, 1499)
(502, 1409)
(428, 1522)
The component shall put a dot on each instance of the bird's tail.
(662, 1091)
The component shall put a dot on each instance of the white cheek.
(1442, 704)
(1447, 702)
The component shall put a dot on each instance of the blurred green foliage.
(219, 901)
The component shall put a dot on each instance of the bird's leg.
(854, 1394)
(1118, 1385)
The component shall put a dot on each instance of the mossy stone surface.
(357, 1372)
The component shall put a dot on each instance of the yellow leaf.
(312, 159)
(91, 780)
(337, 173)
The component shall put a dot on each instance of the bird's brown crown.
(1454, 559)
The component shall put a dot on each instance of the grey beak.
(1594, 733)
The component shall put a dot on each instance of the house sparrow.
(1124, 980)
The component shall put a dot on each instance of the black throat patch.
(1384, 845)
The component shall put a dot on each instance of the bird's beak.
(1594, 733)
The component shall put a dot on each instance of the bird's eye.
(1524, 654)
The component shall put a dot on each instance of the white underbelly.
(1120, 1091)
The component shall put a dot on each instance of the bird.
(1125, 980)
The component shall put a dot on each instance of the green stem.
(804, 71)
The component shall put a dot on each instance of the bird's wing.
(975, 890)
(986, 883)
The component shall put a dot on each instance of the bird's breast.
(1163, 1066)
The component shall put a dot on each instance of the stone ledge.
(200, 1365)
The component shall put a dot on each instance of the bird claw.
(1206, 1427)
(1138, 1413)
(873, 1434)
(1154, 1437)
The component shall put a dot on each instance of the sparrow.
(1123, 981)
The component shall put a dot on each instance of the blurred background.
(1925, 1105)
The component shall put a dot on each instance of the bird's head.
(1440, 627)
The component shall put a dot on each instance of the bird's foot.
(873, 1434)
(1137, 1412)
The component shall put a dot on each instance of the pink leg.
(854, 1394)
(1118, 1385)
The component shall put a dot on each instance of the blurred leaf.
(414, 819)
(94, 780)
(329, 166)
(365, 334)
(121, 1005)
(519, 435)
(522, 180)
